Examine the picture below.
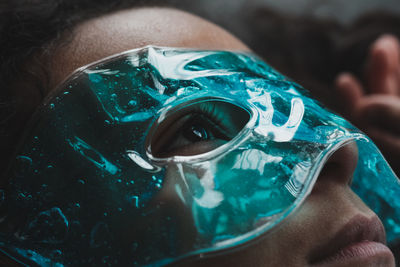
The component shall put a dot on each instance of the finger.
(383, 66)
(381, 111)
(350, 91)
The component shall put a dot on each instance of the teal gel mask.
(159, 154)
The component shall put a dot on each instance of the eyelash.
(208, 123)
(204, 118)
(208, 113)
(197, 128)
(173, 136)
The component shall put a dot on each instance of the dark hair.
(30, 30)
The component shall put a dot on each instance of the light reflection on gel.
(91, 154)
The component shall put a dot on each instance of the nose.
(341, 165)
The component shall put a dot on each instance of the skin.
(129, 29)
(331, 204)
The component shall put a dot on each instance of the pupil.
(196, 133)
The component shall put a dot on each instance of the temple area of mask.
(375, 183)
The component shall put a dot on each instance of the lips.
(360, 232)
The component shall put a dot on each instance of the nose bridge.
(341, 165)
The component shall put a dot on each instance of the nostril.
(341, 164)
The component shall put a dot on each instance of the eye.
(196, 133)
(193, 134)
(197, 128)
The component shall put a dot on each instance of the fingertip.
(349, 87)
(384, 65)
(387, 47)
(342, 79)
(387, 41)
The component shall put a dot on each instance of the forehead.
(134, 28)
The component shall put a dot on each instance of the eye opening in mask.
(195, 128)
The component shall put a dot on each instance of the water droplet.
(80, 181)
(107, 122)
(119, 180)
(135, 246)
(105, 259)
(56, 254)
(113, 95)
(379, 167)
(99, 235)
(158, 186)
(52, 106)
(2, 196)
(50, 227)
(23, 165)
(132, 103)
(66, 92)
(154, 178)
(119, 209)
(134, 201)
(130, 182)
(271, 76)
(77, 205)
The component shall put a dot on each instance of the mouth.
(361, 239)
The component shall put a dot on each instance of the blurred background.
(342, 10)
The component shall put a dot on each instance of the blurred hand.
(374, 106)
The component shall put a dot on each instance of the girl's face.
(332, 228)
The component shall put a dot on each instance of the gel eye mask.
(160, 154)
